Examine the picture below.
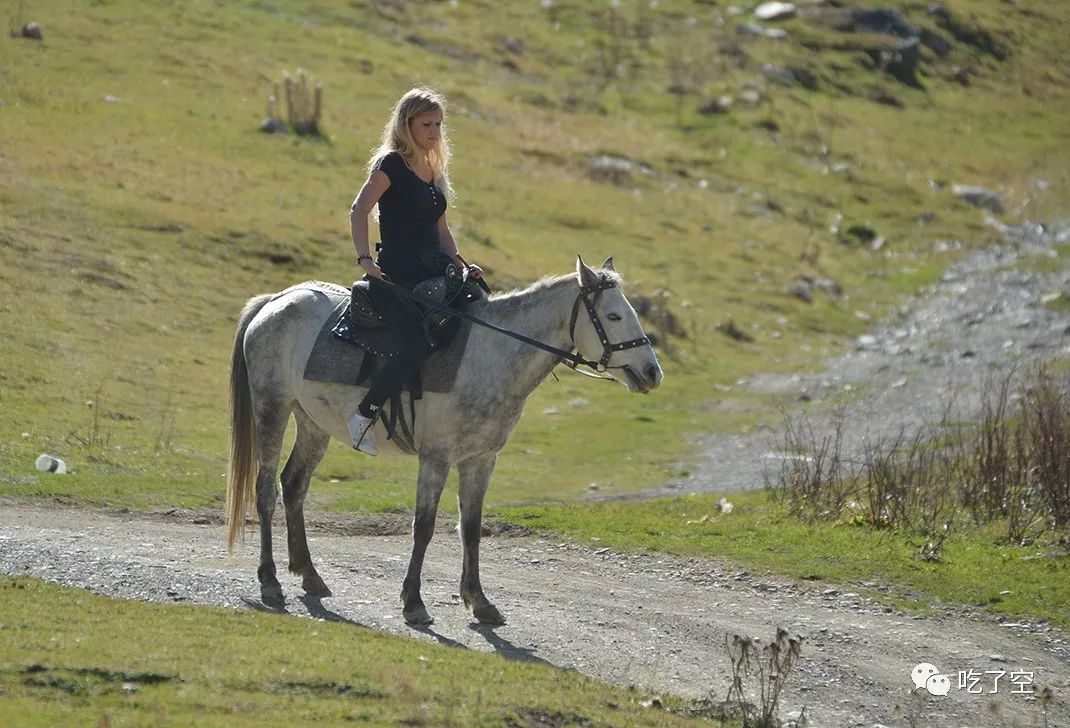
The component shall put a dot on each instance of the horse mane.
(519, 295)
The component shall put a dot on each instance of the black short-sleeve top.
(408, 221)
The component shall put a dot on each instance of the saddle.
(362, 325)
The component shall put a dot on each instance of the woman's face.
(426, 129)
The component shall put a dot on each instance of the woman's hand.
(474, 271)
(371, 268)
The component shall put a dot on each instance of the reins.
(570, 359)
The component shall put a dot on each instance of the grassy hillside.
(140, 207)
(60, 664)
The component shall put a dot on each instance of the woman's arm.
(373, 189)
(450, 246)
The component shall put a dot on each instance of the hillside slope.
(140, 206)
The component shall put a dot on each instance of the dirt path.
(655, 622)
(984, 318)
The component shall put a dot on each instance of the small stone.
(271, 125)
(979, 197)
(31, 31)
(802, 291)
(775, 11)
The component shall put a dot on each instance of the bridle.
(589, 295)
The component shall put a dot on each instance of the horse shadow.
(314, 605)
(505, 648)
(440, 638)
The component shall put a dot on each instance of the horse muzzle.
(644, 380)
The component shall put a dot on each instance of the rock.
(271, 125)
(962, 75)
(935, 42)
(775, 11)
(899, 61)
(862, 233)
(779, 74)
(31, 30)
(750, 96)
(761, 31)
(617, 170)
(882, 21)
(719, 105)
(829, 286)
(979, 197)
(802, 291)
(729, 329)
(885, 97)
(514, 45)
(866, 343)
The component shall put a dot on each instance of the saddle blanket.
(337, 361)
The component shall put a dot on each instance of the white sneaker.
(360, 429)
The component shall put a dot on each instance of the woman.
(408, 179)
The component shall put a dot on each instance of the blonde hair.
(397, 137)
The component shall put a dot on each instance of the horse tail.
(242, 468)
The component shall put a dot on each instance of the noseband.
(589, 295)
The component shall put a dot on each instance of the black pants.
(414, 349)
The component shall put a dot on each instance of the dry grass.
(1011, 468)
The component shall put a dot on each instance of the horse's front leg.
(433, 471)
(474, 479)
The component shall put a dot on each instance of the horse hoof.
(488, 614)
(272, 596)
(314, 586)
(418, 616)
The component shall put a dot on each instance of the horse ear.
(587, 276)
(608, 265)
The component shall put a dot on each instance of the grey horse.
(465, 427)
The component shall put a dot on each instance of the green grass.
(758, 535)
(133, 229)
(61, 664)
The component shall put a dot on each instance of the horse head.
(611, 334)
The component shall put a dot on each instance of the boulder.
(882, 21)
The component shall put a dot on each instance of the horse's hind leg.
(308, 450)
(474, 478)
(271, 419)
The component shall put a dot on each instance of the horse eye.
(613, 317)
